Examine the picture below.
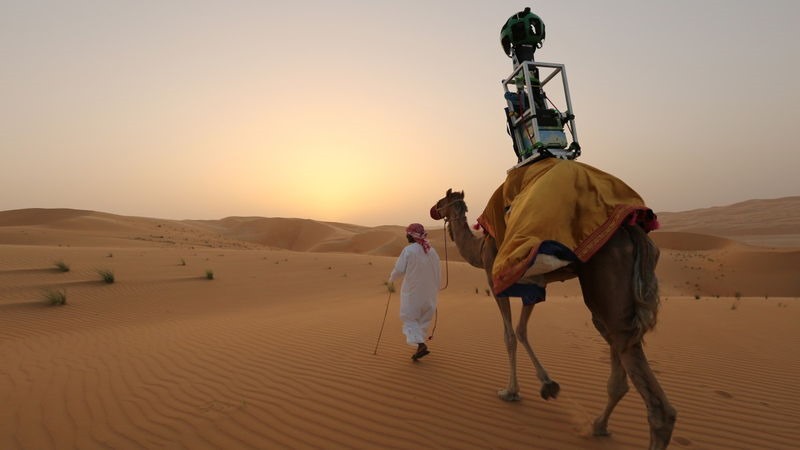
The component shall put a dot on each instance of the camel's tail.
(645, 284)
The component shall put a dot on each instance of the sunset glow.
(208, 110)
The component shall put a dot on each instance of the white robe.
(421, 276)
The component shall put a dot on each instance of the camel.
(620, 289)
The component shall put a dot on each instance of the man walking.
(418, 264)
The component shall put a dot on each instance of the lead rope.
(446, 280)
(446, 265)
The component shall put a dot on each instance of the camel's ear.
(462, 194)
(449, 191)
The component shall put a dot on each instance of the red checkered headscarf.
(420, 236)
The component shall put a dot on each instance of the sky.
(367, 111)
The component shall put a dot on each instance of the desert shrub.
(389, 286)
(209, 274)
(106, 275)
(56, 297)
(61, 266)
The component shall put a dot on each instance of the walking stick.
(382, 324)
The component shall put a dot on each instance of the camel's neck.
(469, 245)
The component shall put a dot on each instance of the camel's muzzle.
(435, 213)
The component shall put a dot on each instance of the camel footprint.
(724, 394)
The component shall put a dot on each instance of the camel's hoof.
(507, 396)
(550, 390)
(600, 428)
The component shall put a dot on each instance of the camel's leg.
(549, 387)
(511, 392)
(617, 385)
(660, 414)
(607, 285)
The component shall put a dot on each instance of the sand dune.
(90, 228)
(772, 222)
(310, 235)
(63, 227)
(690, 241)
(277, 350)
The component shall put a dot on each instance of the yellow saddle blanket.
(554, 212)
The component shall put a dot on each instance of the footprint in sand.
(724, 394)
(681, 441)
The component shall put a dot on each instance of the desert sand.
(277, 350)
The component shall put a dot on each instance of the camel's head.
(452, 205)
